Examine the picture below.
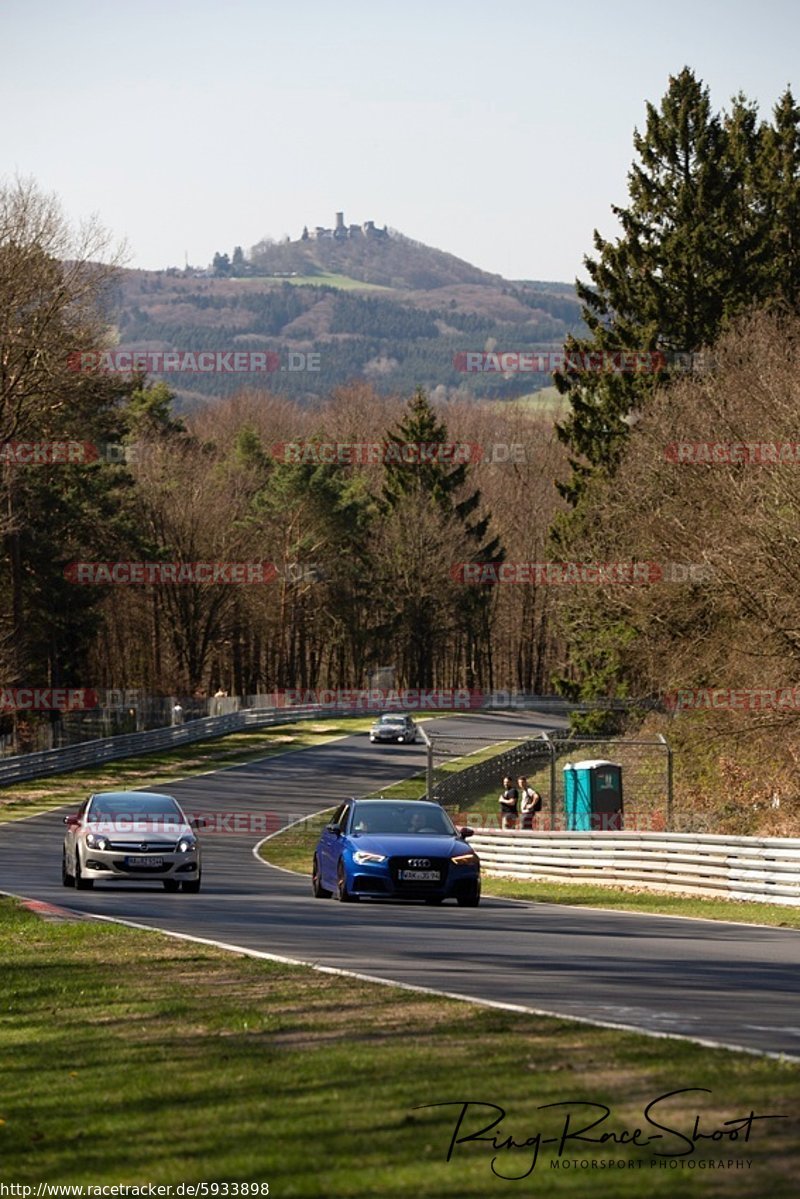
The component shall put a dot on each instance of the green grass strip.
(133, 1058)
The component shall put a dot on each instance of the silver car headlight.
(97, 841)
(187, 844)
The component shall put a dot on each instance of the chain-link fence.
(466, 776)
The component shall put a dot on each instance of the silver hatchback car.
(394, 726)
(131, 836)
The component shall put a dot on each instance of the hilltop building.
(342, 232)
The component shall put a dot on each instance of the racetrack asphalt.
(732, 984)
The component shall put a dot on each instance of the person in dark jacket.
(509, 803)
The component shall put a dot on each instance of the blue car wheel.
(342, 894)
(470, 897)
(320, 892)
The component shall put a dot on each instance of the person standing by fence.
(530, 802)
(509, 803)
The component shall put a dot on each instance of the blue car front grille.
(441, 865)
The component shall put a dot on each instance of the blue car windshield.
(401, 819)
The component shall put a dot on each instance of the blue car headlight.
(362, 857)
(465, 859)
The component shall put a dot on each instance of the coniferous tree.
(443, 483)
(778, 181)
(319, 517)
(678, 270)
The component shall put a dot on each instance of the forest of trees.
(366, 553)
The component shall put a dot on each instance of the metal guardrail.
(109, 749)
(753, 868)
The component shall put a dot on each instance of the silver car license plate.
(148, 861)
(420, 876)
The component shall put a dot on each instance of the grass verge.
(293, 847)
(133, 1058)
(629, 899)
(164, 766)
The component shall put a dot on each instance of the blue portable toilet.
(593, 796)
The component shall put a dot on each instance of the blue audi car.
(395, 849)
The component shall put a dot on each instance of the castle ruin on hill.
(342, 232)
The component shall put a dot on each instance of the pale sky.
(500, 132)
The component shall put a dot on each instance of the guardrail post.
(428, 764)
(668, 748)
(552, 750)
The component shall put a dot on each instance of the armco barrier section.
(108, 749)
(755, 868)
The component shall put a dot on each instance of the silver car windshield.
(155, 809)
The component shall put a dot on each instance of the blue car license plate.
(420, 876)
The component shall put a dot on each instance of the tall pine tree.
(778, 181)
(684, 263)
(443, 485)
